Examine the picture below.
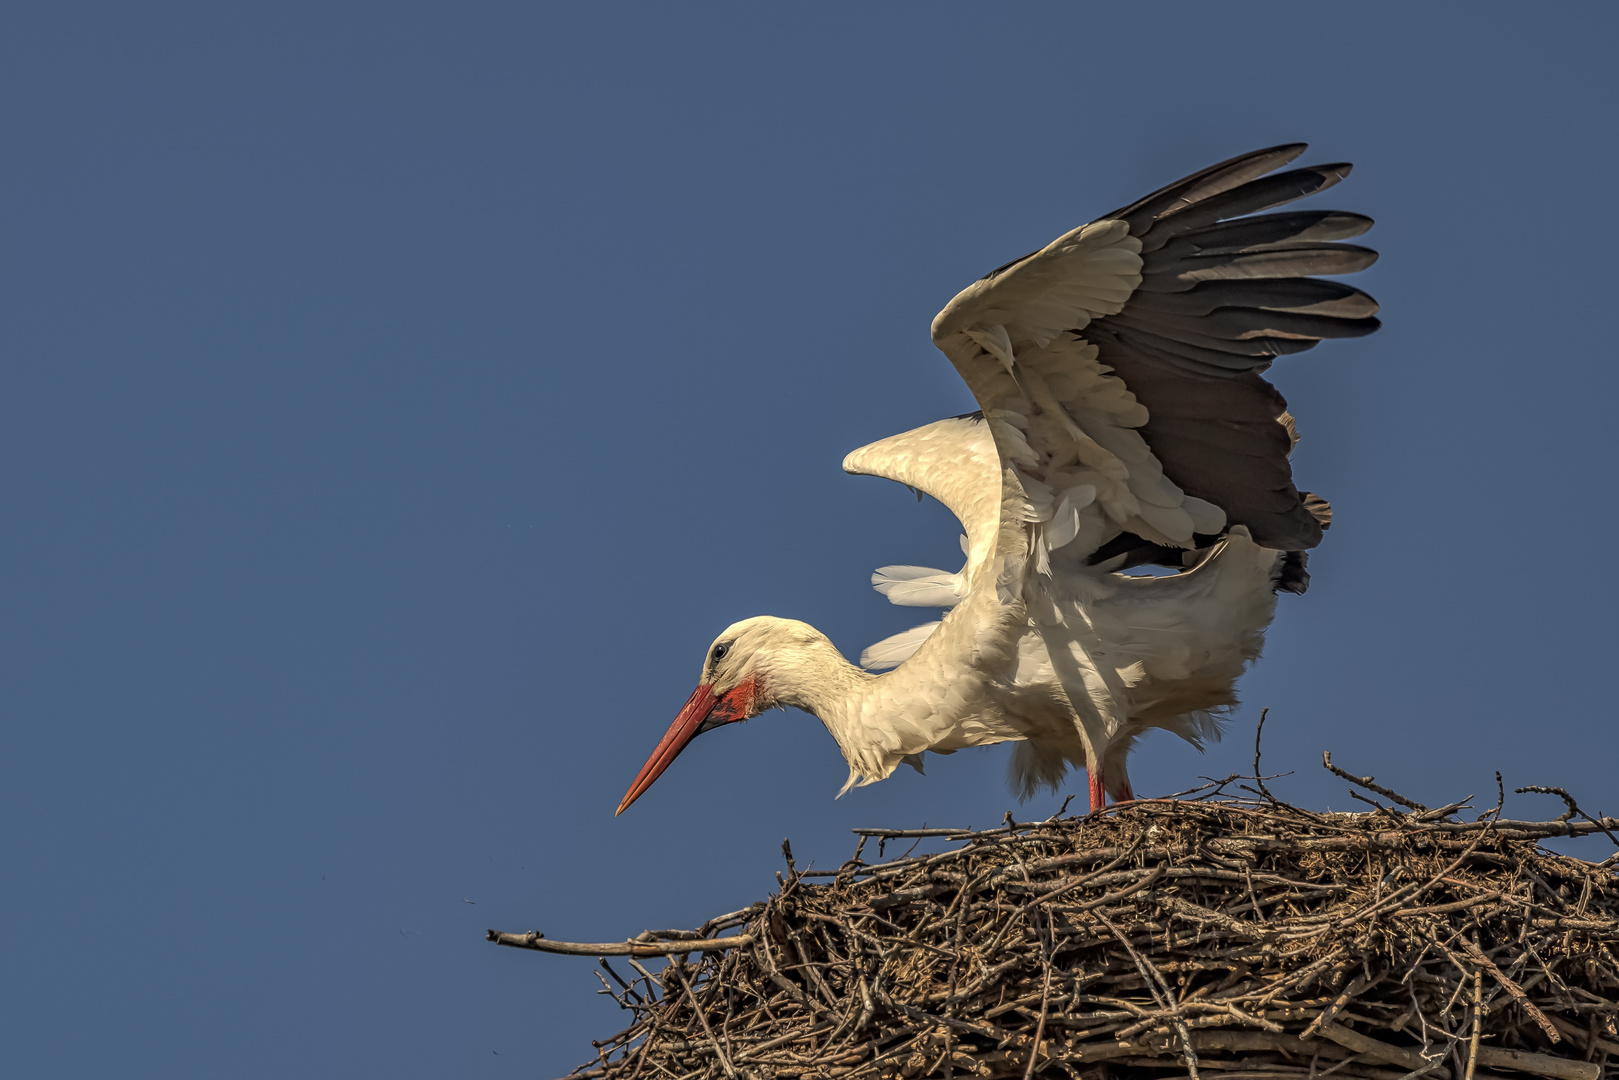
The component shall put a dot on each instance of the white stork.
(1124, 422)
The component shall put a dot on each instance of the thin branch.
(540, 943)
(1368, 782)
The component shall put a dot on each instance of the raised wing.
(956, 462)
(1119, 367)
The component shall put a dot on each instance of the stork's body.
(1123, 422)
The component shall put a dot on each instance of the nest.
(1220, 936)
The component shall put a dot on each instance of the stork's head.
(744, 673)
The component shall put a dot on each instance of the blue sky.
(397, 398)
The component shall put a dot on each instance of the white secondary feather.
(891, 652)
(919, 586)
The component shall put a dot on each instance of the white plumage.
(1123, 422)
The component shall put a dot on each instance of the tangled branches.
(1233, 937)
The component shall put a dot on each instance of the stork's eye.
(720, 651)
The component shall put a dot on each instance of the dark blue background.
(397, 398)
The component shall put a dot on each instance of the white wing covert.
(920, 586)
(1064, 425)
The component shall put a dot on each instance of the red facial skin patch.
(736, 704)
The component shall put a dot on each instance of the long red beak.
(687, 726)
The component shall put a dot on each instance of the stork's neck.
(812, 675)
(815, 677)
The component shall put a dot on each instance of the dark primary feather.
(1250, 198)
(1200, 186)
(1271, 261)
(1205, 184)
(1246, 324)
(1299, 225)
(1185, 357)
(1299, 295)
(1229, 335)
(1225, 290)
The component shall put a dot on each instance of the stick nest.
(1235, 937)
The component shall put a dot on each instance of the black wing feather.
(1301, 296)
(1298, 226)
(1205, 184)
(1222, 294)
(1240, 323)
(1250, 198)
(1171, 271)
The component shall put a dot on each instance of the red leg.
(1098, 796)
